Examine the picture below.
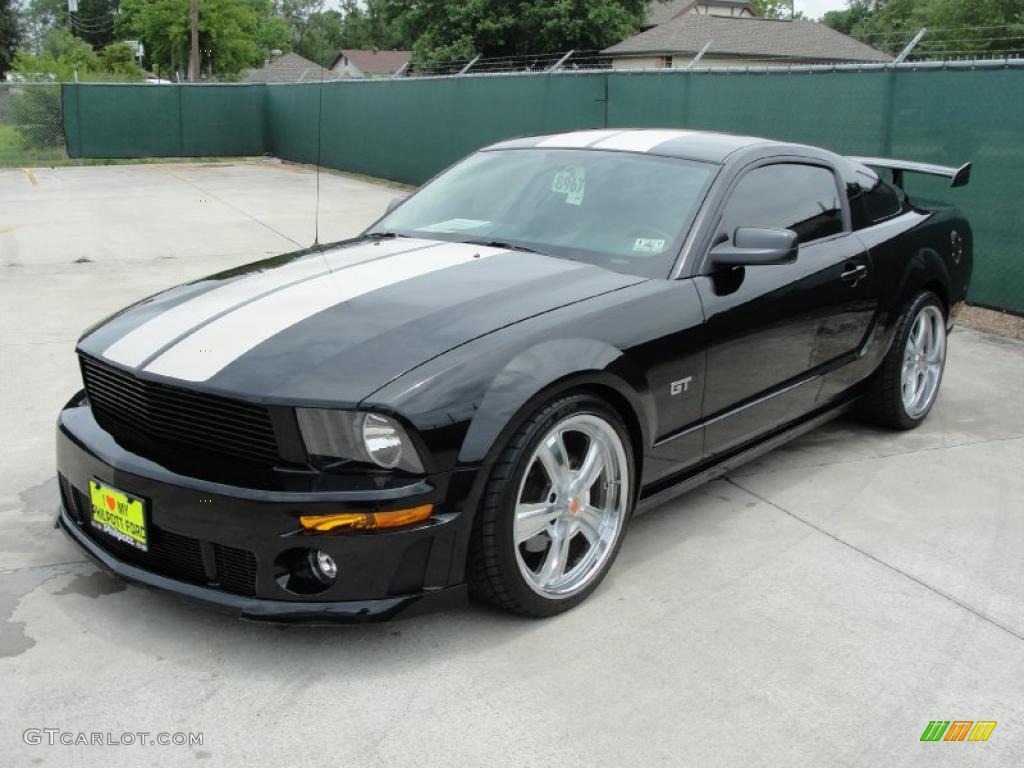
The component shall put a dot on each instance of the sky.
(815, 9)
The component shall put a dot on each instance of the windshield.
(624, 211)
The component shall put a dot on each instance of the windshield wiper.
(382, 235)
(502, 244)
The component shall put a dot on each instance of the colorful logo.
(958, 730)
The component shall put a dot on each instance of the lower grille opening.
(236, 569)
(170, 554)
(69, 499)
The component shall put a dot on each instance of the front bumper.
(228, 545)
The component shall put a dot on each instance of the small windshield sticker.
(455, 225)
(645, 245)
(571, 181)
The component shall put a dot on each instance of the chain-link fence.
(31, 124)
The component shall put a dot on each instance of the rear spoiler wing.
(960, 177)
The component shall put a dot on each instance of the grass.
(13, 152)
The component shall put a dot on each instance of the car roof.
(706, 146)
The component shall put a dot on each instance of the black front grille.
(170, 554)
(167, 414)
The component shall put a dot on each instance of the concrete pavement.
(817, 607)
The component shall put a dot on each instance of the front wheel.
(905, 387)
(555, 509)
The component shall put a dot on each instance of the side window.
(870, 205)
(803, 198)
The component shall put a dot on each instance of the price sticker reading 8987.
(571, 181)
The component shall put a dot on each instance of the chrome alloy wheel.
(571, 506)
(923, 361)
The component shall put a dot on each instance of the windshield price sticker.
(646, 245)
(571, 181)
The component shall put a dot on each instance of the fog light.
(323, 565)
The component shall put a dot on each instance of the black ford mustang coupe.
(479, 392)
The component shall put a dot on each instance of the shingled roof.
(747, 38)
(375, 62)
(289, 68)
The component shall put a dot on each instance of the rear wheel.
(905, 387)
(555, 509)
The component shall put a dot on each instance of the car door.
(772, 331)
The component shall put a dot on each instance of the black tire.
(493, 572)
(882, 403)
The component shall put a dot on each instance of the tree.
(73, 54)
(10, 34)
(93, 22)
(313, 32)
(320, 39)
(989, 27)
(856, 14)
(992, 27)
(233, 34)
(778, 9)
(118, 59)
(445, 30)
(64, 57)
(383, 24)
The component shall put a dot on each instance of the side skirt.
(742, 456)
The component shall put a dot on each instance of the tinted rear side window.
(870, 206)
(803, 198)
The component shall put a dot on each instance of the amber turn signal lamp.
(366, 520)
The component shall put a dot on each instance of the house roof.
(747, 38)
(660, 11)
(375, 62)
(289, 68)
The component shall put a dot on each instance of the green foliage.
(311, 31)
(65, 57)
(119, 59)
(93, 22)
(382, 24)
(320, 39)
(458, 29)
(778, 9)
(446, 30)
(233, 34)
(989, 27)
(10, 33)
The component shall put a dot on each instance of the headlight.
(367, 437)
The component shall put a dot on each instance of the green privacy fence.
(164, 121)
(407, 130)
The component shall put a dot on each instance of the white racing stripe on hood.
(213, 347)
(141, 343)
(640, 141)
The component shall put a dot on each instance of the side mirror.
(753, 247)
(396, 202)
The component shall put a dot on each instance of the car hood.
(333, 326)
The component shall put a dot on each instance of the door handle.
(854, 273)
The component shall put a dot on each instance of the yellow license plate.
(118, 515)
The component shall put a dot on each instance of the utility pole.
(193, 59)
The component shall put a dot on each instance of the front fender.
(463, 402)
(540, 373)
